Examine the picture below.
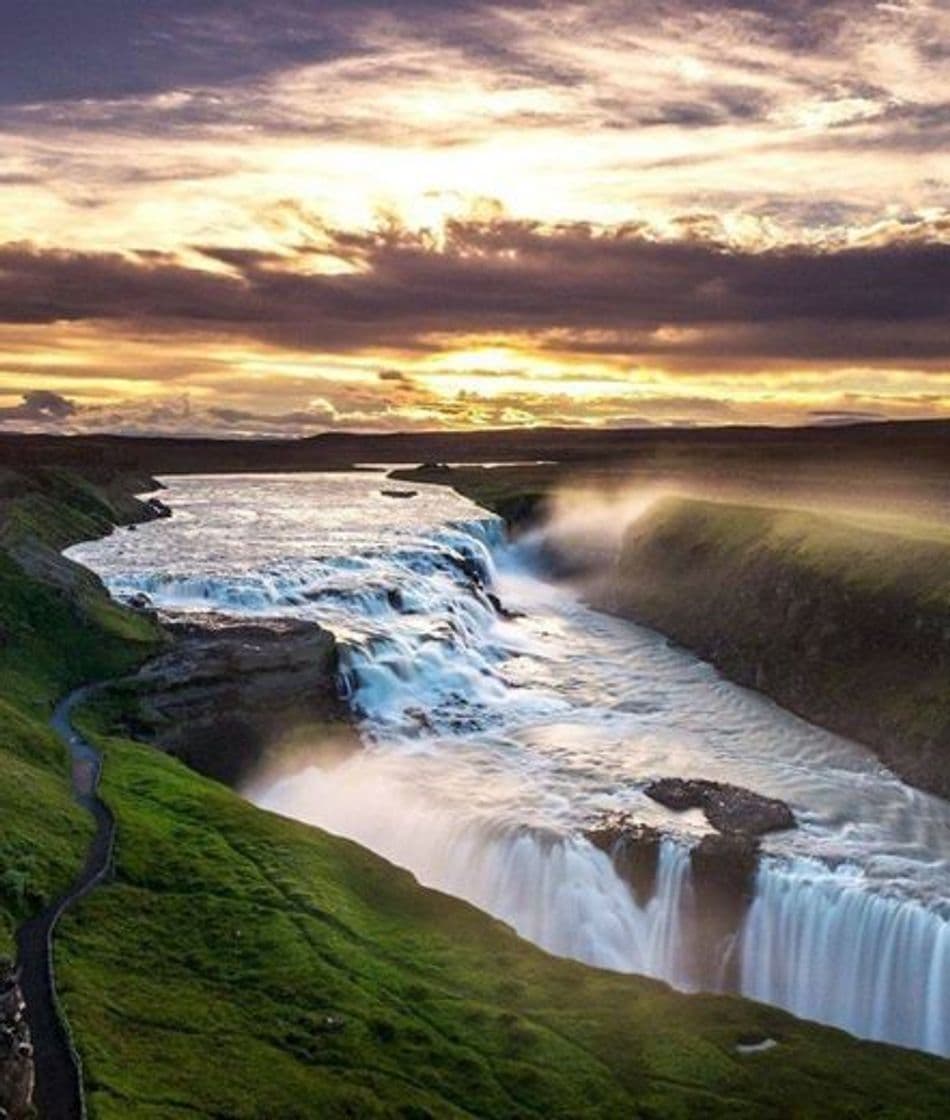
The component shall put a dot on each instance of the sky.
(279, 217)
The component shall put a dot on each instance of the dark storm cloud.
(571, 287)
(39, 406)
(61, 50)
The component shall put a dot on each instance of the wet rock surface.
(723, 871)
(16, 1050)
(501, 610)
(724, 868)
(156, 508)
(728, 808)
(229, 689)
(634, 849)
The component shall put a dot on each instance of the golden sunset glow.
(502, 215)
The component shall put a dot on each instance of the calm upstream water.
(491, 743)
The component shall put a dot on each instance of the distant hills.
(923, 443)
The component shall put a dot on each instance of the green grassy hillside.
(245, 966)
(844, 618)
(56, 631)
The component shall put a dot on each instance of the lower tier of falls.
(812, 940)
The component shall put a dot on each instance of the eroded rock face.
(16, 1050)
(229, 689)
(723, 867)
(723, 870)
(634, 849)
(728, 808)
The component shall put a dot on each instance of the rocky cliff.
(228, 694)
(841, 621)
(16, 1051)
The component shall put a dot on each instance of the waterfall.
(495, 737)
(820, 944)
(815, 941)
(559, 892)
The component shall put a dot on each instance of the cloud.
(38, 406)
(834, 418)
(706, 201)
(110, 48)
(563, 111)
(571, 288)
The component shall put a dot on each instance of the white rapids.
(492, 742)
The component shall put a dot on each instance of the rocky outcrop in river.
(722, 865)
(633, 848)
(728, 808)
(722, 869)
(229, 692)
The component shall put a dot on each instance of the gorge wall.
(842, 622)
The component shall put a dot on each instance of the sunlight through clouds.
(517, 205)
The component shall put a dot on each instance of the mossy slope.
(845, 620)
(55, 633)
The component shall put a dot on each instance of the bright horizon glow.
(502, 215)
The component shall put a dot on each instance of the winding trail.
(59, 1088)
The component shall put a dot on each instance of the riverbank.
(325, 982)
(841, 616)
(843, 621)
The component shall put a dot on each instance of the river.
(492, 742)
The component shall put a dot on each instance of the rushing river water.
(492, 742)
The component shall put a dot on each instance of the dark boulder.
(678, 794)
(728, 808)
(732, 809)
(156, 508)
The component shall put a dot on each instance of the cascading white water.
(820, 944)
(558, 891)
(493, 741)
